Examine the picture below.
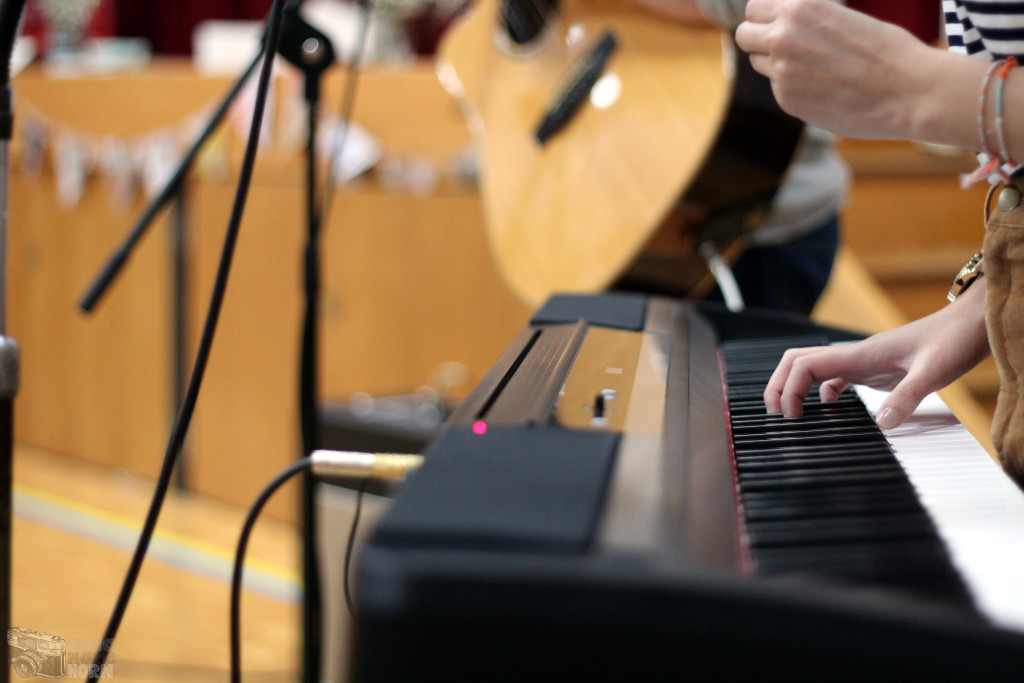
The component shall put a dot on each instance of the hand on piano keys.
(820, 495)
(912, 361)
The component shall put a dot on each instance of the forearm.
(963, 333)
(942, 99)
(939, 102)
(861, 77)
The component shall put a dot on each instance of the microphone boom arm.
(120, 256)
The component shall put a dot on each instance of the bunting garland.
(143, 164)
(128, 165)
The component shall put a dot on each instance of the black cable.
(243, 542)
(350, 546)
(323, 463)
(184, 417)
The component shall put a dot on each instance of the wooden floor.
(75, 525)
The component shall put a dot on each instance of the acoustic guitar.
(611, 142)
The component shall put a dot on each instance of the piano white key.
(977, 509)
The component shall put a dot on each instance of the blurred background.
(109, 96)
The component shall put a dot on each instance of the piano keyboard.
(923, 506)
(577, 518)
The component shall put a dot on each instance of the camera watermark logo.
(32, 653)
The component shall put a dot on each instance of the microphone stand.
(311, 51)
(10, 18)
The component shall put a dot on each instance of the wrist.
(942, 103)
(968, 308)
(969, 311)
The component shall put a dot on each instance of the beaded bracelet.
(1000, 69)
(982, 100)
(1000, 135)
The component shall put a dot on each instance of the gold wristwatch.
(966, 277)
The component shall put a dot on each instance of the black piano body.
(580, 517)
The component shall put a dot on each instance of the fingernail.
(888, 418)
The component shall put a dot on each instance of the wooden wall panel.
(96, 386)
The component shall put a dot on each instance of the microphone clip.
(305, 47)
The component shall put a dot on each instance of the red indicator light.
(479, 427)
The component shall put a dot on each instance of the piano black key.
(784, 463)
(811, 480)
(840, 530)
(758, 415)
(755, 407)
(813, 468)
(809, 439)
(752, 451)
(811, 509)
(822, 498)
(769, 426)
(916, 564)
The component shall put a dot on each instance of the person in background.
(789, 258)
(859, 77)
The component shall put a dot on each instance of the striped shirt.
(990, 29)
(987, 29)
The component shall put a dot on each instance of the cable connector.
(359, 464)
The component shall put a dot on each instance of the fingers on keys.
(797, 372)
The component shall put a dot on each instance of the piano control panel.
(617, 382)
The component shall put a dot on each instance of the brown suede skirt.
(1004, 317)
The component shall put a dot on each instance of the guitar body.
(678, 150)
